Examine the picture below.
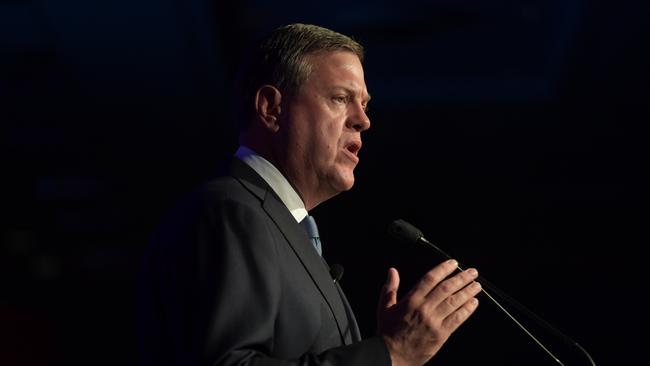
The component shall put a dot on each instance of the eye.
(340, 99)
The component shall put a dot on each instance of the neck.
(299, 181)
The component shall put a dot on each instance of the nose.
(358, 119)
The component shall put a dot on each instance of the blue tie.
(309, 224)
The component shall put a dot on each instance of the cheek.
(332, 134)
(330, 146)
(323, 140)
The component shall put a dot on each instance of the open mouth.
(354, 147)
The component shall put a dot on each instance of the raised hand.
(416, 327)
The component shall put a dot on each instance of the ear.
(267, 106)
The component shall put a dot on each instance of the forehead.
(340, 67)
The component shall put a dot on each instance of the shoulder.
(222, 213)
(226, 188)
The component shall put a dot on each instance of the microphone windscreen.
(336, 271)
(404, 231)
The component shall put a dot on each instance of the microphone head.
(336, 271)
(402, 230)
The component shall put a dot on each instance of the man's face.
(324, 123)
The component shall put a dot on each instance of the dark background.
(513, 133)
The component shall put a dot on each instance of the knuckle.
(458, 316)
(461, 314)
(469, 275)
(430, 279)
(465, 311)
(447, 286)
(475, 288)
(452, 302)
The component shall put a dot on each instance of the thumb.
(388, 296)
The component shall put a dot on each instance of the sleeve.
(221, 291)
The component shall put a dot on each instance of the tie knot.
(309, 224)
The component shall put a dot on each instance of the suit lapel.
(353, 326)
(312, 262)
(299, 242)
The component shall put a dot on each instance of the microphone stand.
(518, 306)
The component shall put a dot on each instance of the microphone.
(405, 232)
(336, 271)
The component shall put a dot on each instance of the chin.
(344, 182)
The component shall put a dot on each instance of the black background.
(512, 133)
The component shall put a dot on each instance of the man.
(233, 278)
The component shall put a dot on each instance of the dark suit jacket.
(232, 279)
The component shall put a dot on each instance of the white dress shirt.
(275, 179)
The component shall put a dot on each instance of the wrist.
(396, 357)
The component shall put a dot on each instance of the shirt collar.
(275, 179)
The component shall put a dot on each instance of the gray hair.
(281, 60)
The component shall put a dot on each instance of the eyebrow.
(352, 92)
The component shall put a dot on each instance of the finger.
(458, 317)
(455, 301)
(450, 286)
(431, 279)
(388, 295)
